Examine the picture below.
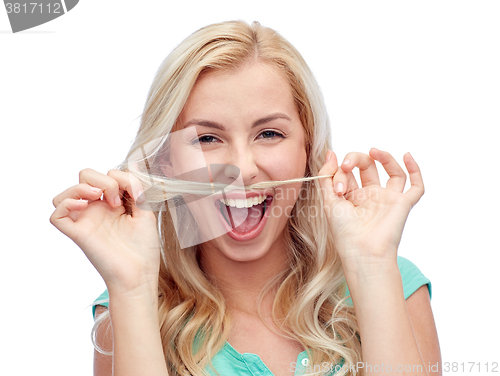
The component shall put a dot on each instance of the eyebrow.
(213, 124)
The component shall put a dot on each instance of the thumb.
(142, 205)
(326, 184)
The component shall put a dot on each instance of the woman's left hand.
(367, 222)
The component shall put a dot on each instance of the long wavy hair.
(310, 305)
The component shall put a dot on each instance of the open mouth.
(244, 218)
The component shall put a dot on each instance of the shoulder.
(102, 300)
(103, 340)
(419, 310)
(412, 277)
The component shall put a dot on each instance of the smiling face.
(246, 117)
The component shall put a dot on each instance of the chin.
(256, 249)
(244, 254)
(250, 230)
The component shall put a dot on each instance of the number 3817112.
(470, 367)
(33, 8)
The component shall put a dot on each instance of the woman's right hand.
(124, 248)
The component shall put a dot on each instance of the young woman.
(269, 296)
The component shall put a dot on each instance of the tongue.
(247, 218)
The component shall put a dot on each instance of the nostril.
(231, 171)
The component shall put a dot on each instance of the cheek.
(286, 197)
(284, 163)
(187, 160)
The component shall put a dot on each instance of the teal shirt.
(229, 362)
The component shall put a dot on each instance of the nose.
(231, 172)
(241, 161)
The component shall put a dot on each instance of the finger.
(79, 191)
(108, 185)
(140, 209)
(127, 182)
(141, 197)
(417, 188)
(397, 176)
(344, 182)
(61, 216)
(367, 169)
(329, 168)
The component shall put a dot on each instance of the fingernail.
(95, 189)
(140, 197)
(346, 162)
(339, 187)
(118, 201)
(328, 156)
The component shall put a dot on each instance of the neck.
(241, 282)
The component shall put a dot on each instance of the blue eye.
(271, 134)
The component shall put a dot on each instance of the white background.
(397, 75)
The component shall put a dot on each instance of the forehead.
(252, 89)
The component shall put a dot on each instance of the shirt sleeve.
(103, 300)
(412, 277)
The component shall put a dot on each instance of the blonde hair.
(310, 304)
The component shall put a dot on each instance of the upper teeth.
(249, 202)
